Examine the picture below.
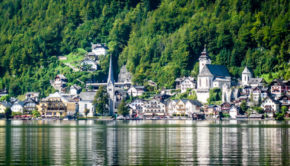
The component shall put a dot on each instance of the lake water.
(172, 142)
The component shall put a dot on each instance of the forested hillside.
(158, 40)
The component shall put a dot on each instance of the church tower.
(203, 59)
(111, 88)
(246, 76)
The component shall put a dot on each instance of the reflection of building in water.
(16, 142)
(111, 146)
(134, 138)
(203, 145)
(273, 142)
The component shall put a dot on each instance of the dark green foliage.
(87, 112)
(8, 113)
(35, 113)
(101, 100)
(123, 109)
(243, 107)
(259, 110)
(215, 94)
(159, 40)
(281, 114)
(5, 98)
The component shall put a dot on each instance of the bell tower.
(111, 88)
(246, 76)
(203, 59)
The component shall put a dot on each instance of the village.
(212, 95)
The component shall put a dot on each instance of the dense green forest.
(157, 39)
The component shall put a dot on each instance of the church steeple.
(204, 53)
(111, 88)
(203, 59)
(111, 74)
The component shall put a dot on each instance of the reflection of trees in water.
(144, 142)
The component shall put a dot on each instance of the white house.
(18, 107)
(248, 80)
(30, 104)
(99, 49)
(32, 95)
(59, 82)
(89, 65)
(86, 102)
(154, 108)
(259, 94)
(185, 83)
(75, 89)
(136, 90)
(137, 106)
(183, 107)
(270, 106)
(233, 112)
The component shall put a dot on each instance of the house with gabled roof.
(3, 106)
(278, 88)
(86, 103)
(30, 104)
(136, 90)
(248, 80)
(183, 107)
(18, 107)
(270, 106)
(99, 49)
(185, 83)
(154, 108)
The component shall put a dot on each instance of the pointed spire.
(246, 70)
(204, 49)
(204, 53)
(111, 74)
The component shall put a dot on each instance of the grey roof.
(6, 104)
(195, 102)
(29, 100)
(272, 99)
(256, 80)
(278, 82)
(246, 70)
(32, 93)
(76, 87)
(89, 96)
(91, 54)
(215, 70)
(19, 102)
(98, 45)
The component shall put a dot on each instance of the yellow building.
(57, 104)
(3, 106)
(52, 107)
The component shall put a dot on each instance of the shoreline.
(169, 119)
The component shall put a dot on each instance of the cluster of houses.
(92, 59)
(77, 101)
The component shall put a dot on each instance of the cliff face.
(157, 40)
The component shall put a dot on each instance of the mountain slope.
(158, 40)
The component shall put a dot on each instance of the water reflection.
(144, 142)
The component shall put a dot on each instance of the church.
(210, 76)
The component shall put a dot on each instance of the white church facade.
(210, 76)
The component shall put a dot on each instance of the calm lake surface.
(172, 142)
